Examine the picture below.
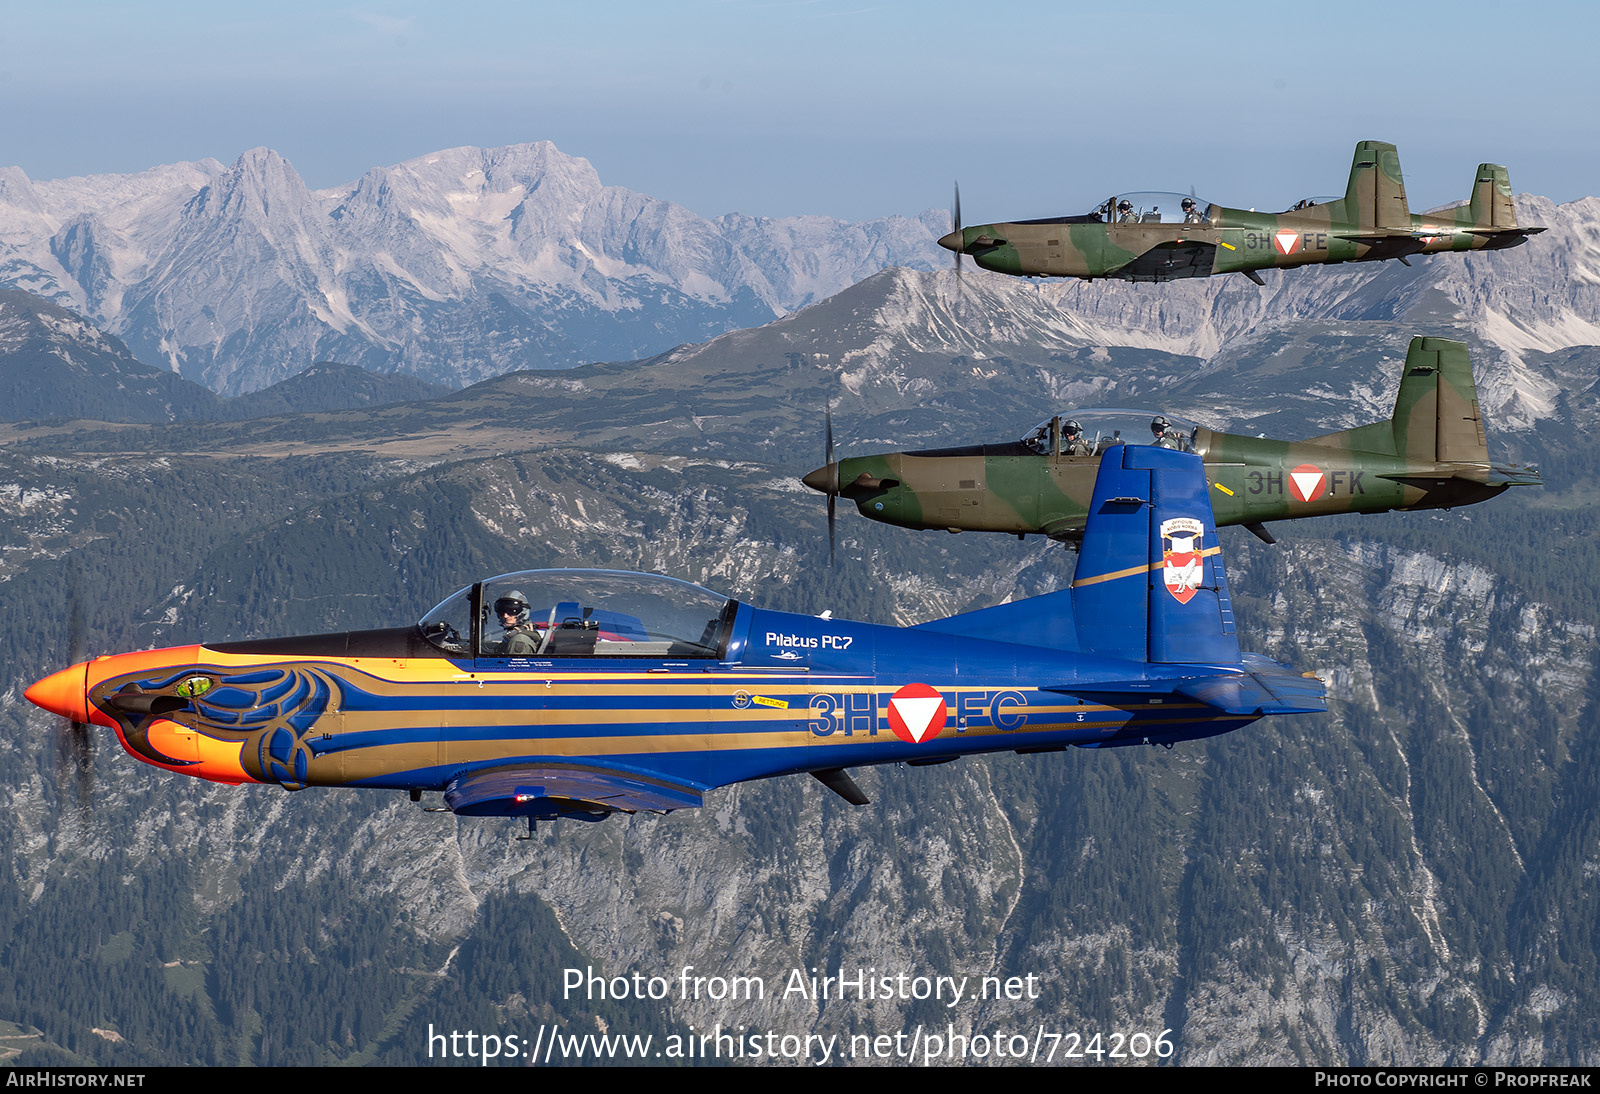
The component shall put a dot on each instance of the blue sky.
(852, 109)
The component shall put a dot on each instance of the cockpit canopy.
(1102, 427)
(1312, 202)
(1153, 207)
(581, 613)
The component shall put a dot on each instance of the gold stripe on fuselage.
(776, 738)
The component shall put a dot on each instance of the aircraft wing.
(1171, 261)
(1385, 245)
(564, 790)
(1265, 687)
(1068, 530)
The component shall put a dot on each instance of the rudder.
(1375, 197)
(1436, 416)
(1150, 583)
(1460, 437)
(1491, 205)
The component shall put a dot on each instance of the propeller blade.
(80, 746)
(76, 745)
(955, 227)
(832, 500)
(827, 460)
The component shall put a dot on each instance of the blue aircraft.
(580, 693)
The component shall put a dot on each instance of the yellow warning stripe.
(1131, 570)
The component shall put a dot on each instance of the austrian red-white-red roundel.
(916, 713)
(1286, 242)
(1307, 482)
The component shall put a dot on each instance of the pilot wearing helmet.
(1163, 435)
(1191, 211)
(1072, 442)
(1125, 213)
(519, 637)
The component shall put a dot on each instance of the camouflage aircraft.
(1431, 455)
(1164, 237)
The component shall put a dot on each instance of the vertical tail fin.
(1436, 414)
(1375, 198)
(1491, 205)
(1150, 584)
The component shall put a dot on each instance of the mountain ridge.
(455, 265)
(466, 263)
(55, 366)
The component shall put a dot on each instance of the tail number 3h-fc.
(916, 713)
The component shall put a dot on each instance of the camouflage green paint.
(1372, 222)
(1431, 454)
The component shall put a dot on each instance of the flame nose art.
(64, 693)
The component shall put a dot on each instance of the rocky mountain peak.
(260, 186)
(17, 196)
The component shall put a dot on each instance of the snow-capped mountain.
(454, 266)
(468, 263)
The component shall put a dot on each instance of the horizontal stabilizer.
(1265, 687)
(548, 791)
(1502, 475)
(1268, 688)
